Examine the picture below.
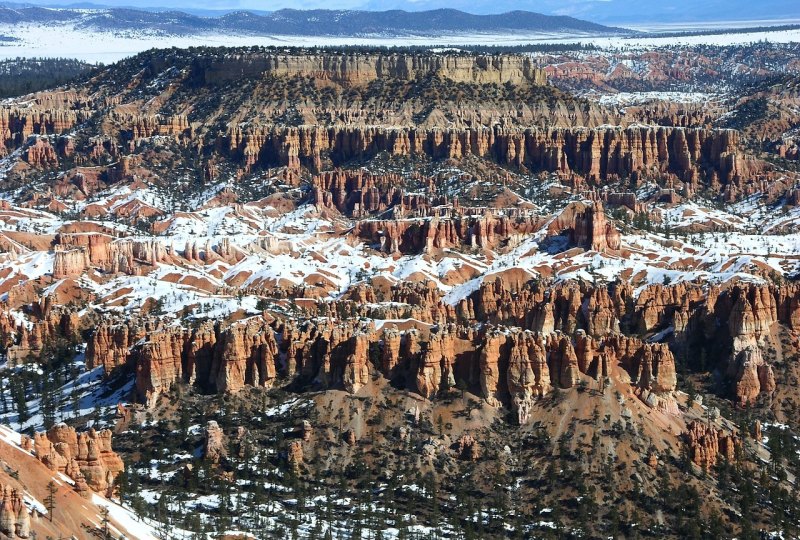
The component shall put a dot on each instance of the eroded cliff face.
(506, 366)
(360, 69)
(598, 154)
(446, 231)
(317, 110)
(394, 238)
(86, 457)
(548, 336)
(23, 343)
(587, 227)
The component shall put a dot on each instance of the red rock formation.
(752, 375)
(587, 227)
(707, 444)
(754, 312)
(110, 345)
(356, 368)
(436, 358)
(650, 365)
(426, 234)
(70, 263)
(295, 454)
(159, 362)
(489, 365)
(214, 444)
(528, 373)
(41, 154)
(596, 154)
(356, 193)
(468, 448)
(575, 334)
(88, 454)
(15, 519)
(246, 355)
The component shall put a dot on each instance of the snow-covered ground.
(623, 99)
(83, 393)
(105, 46)
(96, 46)
(303, 248)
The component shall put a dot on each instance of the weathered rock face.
(360, 69)
(18, 124)
(214, 444)
(24, 343)
(650, 365)
(76, 252)
(159, 362)
(87, 455)
(595, 154)
(468, 448)
(295, 454)
(143, 126)
(15, 520)
(41, 154)
(245, 354)
(528, 372)
(587, 227)
(438, 355)
(752, 375)
(658, 306)
(707, 444)
(110, 345)
(356, 368)
(563, 307)
(534, 338)
(356, 193)
(753, 312)
(215, 359)
(70, 263)
(427, 234)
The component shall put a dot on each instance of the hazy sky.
(595, 10)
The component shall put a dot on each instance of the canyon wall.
(360, 69)
(597, 154)
(539, 338)
(506, 366)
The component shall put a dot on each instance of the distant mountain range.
(304, 22)
(610, 12)
(621, 11)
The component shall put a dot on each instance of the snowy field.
(105, 47)
(623, 99)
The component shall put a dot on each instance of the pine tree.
(48, 404)
(104, 523)
(98, 414)
(50, 500)
(3, 395)
(122, 484)
(20, 402)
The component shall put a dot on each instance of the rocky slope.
(26, 511)
(296, 266)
